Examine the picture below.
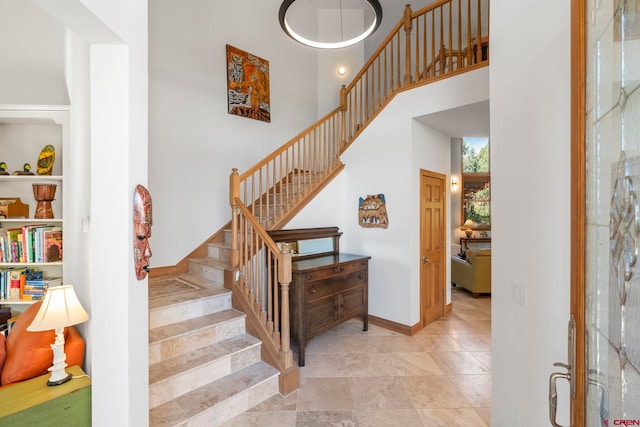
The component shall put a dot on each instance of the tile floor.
(440, 377)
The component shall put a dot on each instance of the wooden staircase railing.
(440, 40)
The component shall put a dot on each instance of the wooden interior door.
(432, 249)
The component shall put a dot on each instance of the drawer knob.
(359, 276)
(308, 276)
(335, 270)
(313, 290)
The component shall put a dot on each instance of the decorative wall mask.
(142, 222)
(248, 85)
(372, 212)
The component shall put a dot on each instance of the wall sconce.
(342, 70)
(454, 183)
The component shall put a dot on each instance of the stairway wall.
(193, 141)
(387, 158)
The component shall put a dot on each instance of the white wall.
(530, 178)
(387, 159)
(32, 58)
(194, 142)
(106, 68)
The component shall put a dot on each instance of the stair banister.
(270, 193)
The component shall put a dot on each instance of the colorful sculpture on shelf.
(45, 160)
(142, 222)
(3, 168)
(26, 170)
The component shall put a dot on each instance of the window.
(476, 183)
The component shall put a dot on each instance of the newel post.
(408, 26)
(284, 278)
(234, 194)
(343, 116)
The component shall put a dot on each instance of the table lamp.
(467, 227)
(60, 308)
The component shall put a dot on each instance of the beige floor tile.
(435, 342)
(458, 363)
(474, 342)
(368, 365)
(322, 344)
(462, 417)
(434, 391)
(324, 365)
(379, 393)
(484, 357)
(389, 418)
(475, 388)
(324, 394)
(327, 419)
(485, 414)
(264, 419)
(414, 364)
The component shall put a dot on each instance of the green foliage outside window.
(476, 182)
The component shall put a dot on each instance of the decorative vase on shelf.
(44, 194)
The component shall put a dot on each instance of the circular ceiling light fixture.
(297, 32)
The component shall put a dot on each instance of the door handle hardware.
(425, 260)
(569, 375)
(553, 393)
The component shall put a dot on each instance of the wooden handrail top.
(256, 226)
(286, 145)
(390, 36)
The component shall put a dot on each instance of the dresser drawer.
(333, 271)
(321, 288)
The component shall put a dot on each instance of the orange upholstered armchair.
(25, 355)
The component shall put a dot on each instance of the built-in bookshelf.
(24, 131)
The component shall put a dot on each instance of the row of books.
(24, 284)
(31, 243)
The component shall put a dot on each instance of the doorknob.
(425, 260)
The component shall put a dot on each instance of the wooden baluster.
(407, 36)
(459, 34)
(270, 311)
(469, 47)
(450, 50)
(284, 277)
(433, 44)
(479, 38)
(399, 84)
(424, 46)
(417, 32)
(343, 116)
(386, 94)
(442, 61)
(234, 194)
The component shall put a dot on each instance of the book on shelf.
(17, 281)
(52, 244)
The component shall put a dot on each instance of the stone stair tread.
(226, 245)
(207, 288)
(189, 405)
(185, 362)
(192, 325)
(210, 262)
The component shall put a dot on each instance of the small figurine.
(3, 168)
(46, 159)
(26, 170)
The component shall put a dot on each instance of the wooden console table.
(472, 240)
(34, 403)
(327, 287)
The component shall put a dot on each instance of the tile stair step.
(167, 342)
(219, 250)
(209, 268)
(217, 402)
(174, 377)
(190, 304)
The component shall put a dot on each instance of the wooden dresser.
(327, 287)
